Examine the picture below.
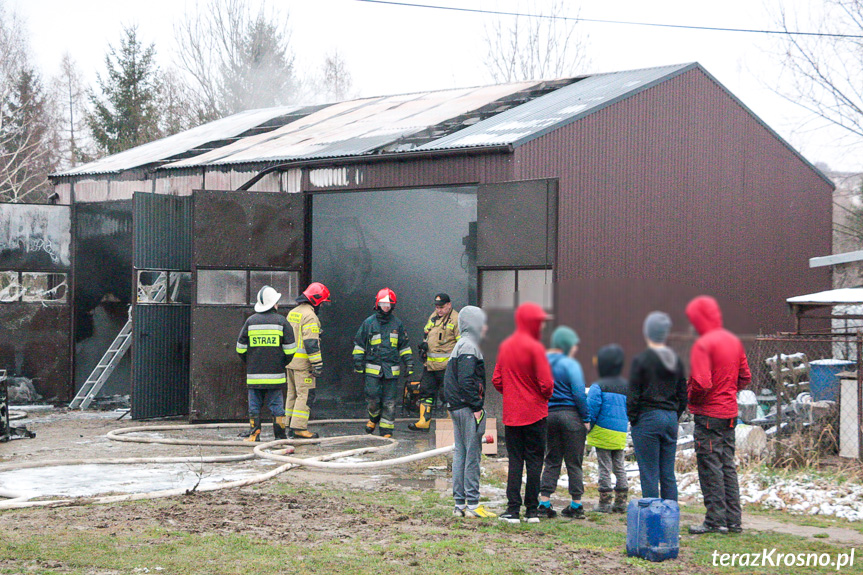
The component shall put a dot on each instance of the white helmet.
(267, 299)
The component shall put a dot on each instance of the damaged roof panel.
(359, 126)
(185, 142)
(556, 109)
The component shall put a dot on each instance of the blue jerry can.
(653, 529)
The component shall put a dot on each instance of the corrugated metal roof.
(171, 146)
(533, 119)
(357, 127)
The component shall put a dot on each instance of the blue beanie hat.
(564, 338)
(657, 326)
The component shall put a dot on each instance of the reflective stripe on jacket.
(307, 333)
(381, 344)
(441, 335)
(267, 345)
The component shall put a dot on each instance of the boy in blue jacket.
(567, 430)
(606, 406)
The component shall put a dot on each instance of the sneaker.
(573, 512)
(510, 516)
(479, 512)
(531, 516)
(546, 511)
(705, 528)
(458, 511)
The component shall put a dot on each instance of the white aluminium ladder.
(115, 353)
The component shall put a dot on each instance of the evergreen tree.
(127, 113)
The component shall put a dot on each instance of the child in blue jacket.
(606, 406)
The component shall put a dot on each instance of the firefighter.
(381, 344)
(308, 364)
(441, 334)
(266, 345)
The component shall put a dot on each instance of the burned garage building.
(601, 197)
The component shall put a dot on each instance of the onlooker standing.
(523, 376)
(657, 399)
(719, 370)
(567, 430)
(606, 407)
(464, 392)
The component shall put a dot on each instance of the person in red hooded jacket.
(719, 370)
(523, 375)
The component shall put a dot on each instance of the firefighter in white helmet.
(380, 346)
(308, 363)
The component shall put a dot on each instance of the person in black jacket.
(464, 392)
(657, 399)
(266, 345)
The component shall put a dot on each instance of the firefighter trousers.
(381, 399)
(300, 384)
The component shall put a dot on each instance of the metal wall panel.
(160, 351)
(249, 230)
(163, 232)
(674, 192)
(35, 344)
(236, 230)
(35, 237)
(179, 182)
(102, 284)
(218, 380)
(504, 240)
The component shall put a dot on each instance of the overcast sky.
(391, 49)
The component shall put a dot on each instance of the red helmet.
(386, 295)
(317, 293)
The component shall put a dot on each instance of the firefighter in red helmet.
(380, 347)
(308, 364)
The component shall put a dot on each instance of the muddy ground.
(328, 507)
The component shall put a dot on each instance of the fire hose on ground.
(261, 450)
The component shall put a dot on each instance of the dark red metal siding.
(674, 192)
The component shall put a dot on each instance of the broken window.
(152, 286)
(10, 286)
(40, 286)
(505, 289)
(180, 287)
(225, 287)
(286, 283)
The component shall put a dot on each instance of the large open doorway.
(416, 241)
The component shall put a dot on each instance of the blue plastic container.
(653, 529)
(823, 383)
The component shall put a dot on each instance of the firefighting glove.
(318, 370)
(423, 347)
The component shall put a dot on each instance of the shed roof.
(368, 125)
(184, 142)
(844, 296)
(533, 119)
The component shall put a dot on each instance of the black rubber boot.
(279, 431)
(255, 431)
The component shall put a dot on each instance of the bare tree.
(27, 138)
(546, 44)
(69, 93)
(234, 59)
(336, 81)
(827, 71)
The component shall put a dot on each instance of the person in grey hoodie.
(657, 399)
(464, 392)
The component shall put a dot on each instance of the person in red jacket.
(719, 370)
(523, 375)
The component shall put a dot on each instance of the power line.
(622, 22)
